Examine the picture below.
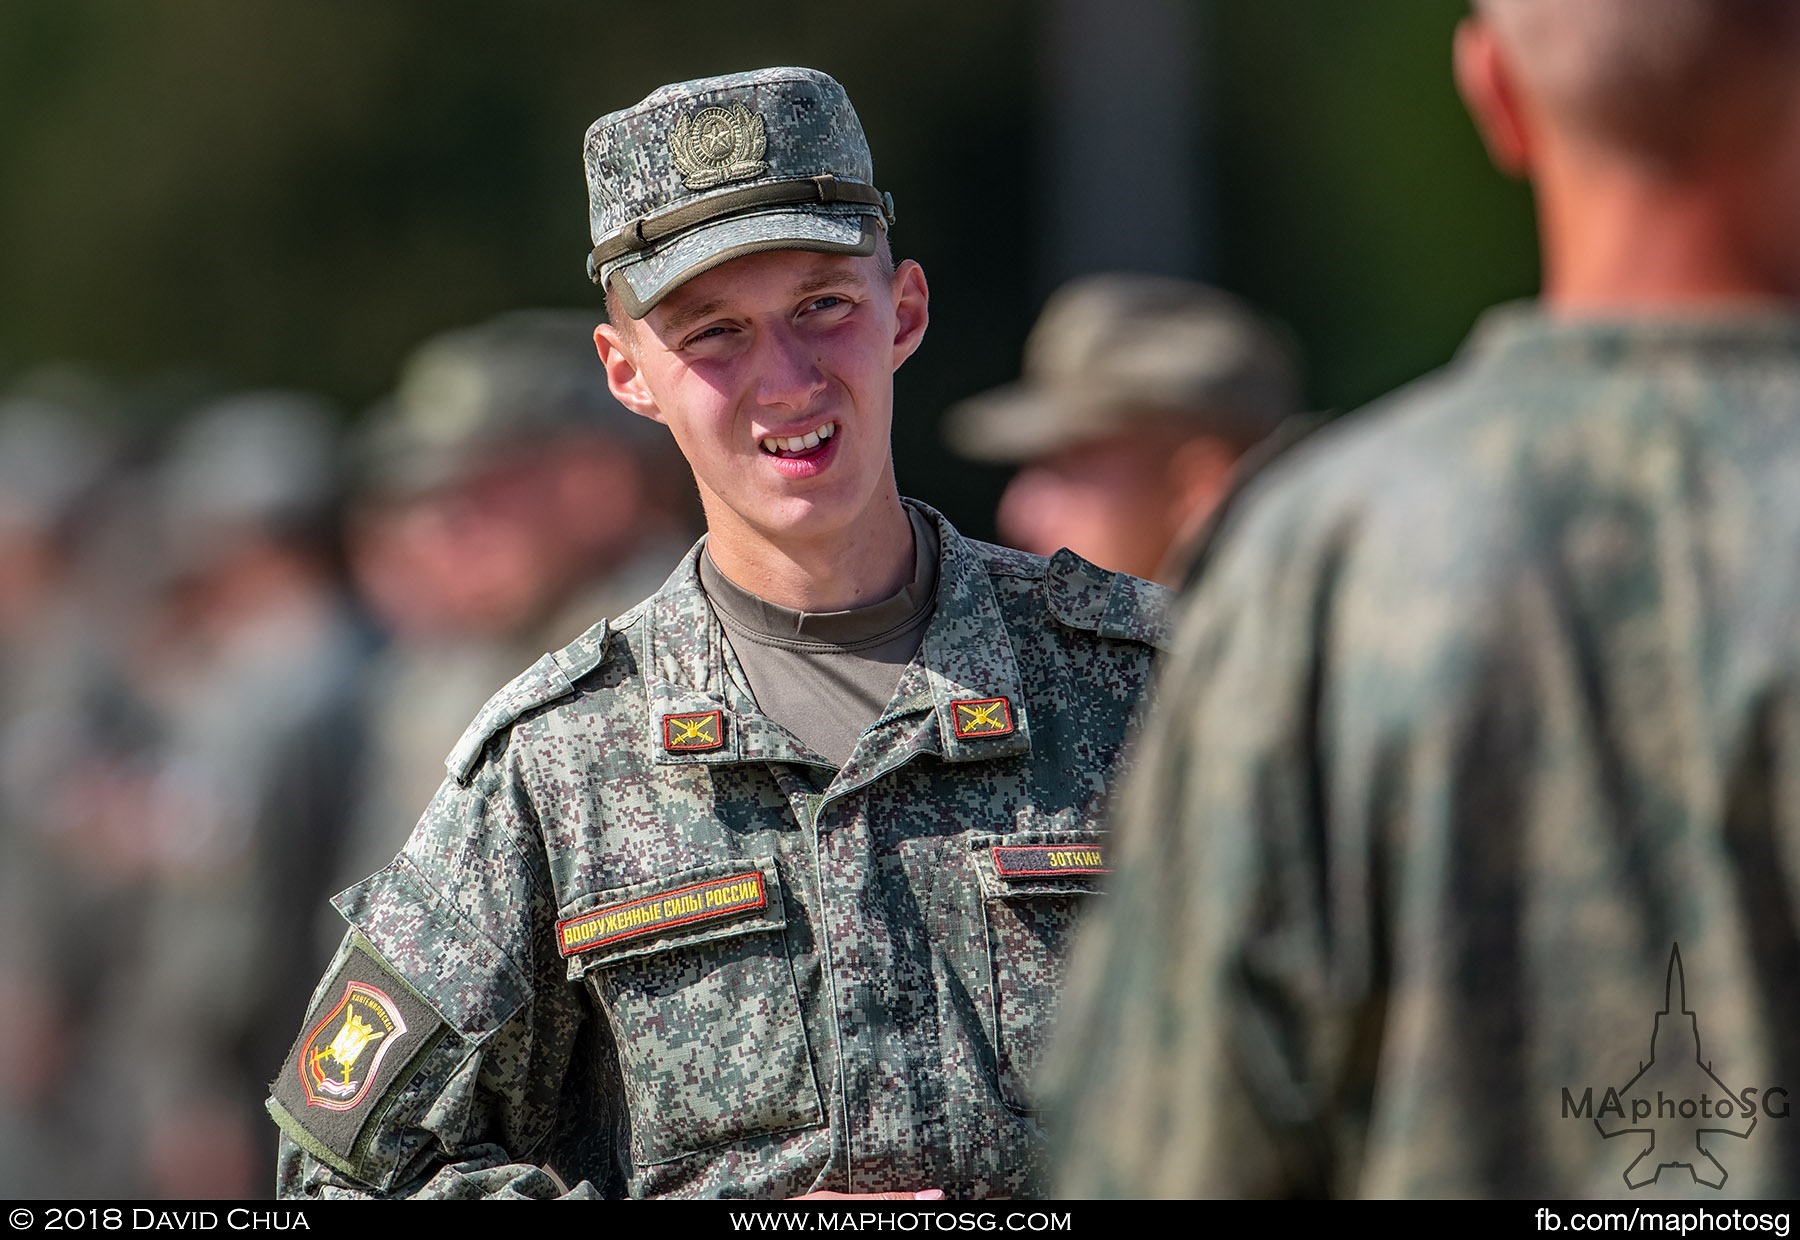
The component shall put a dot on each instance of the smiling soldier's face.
(774, 372)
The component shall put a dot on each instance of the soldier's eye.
(704, 334)
(825, 303)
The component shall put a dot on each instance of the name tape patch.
(684, 733)
(1048, 860)
(983, 717)
(714, 898)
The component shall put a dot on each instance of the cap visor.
(640, 284)
(1016, 423)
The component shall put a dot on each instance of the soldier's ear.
(623, 374)
(912, 309)
(1490, 90)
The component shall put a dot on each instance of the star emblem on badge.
(716, 145)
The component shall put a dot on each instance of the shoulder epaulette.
(550, 678)
(1009, 561)
(1114, 605)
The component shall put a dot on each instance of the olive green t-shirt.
(826, 676)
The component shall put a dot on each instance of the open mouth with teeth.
(799, 446)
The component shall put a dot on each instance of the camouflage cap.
(1118, 350)
(264, 459)
(463, 396)
(59, 437)
(702, 172)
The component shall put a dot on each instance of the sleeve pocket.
(384, 1067)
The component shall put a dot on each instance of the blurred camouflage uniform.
(645, 942)
(1143, 399)
(67, 909)
(252, 671)
(522, 391)
(1489, 699)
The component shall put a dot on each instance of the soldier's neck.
(1622, 240)
(855, 565)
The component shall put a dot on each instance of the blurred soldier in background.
(251, 665)
(65, 722)
(507, 502)
(1490, 697)
(1140, 395)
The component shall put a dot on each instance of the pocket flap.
(1028, 863)
(426, 940)
(718, 900)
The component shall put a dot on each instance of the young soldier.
(763, 887)
(1488, 700)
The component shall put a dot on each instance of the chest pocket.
(1034, 887)
(693, 971)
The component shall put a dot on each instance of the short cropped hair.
(1659, 79)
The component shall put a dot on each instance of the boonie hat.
(706, 171)
(1120, 349)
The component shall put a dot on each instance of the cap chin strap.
(649, 230)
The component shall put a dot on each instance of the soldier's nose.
(789, 376)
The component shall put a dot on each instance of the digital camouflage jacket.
(643, 943)
(1462, 856)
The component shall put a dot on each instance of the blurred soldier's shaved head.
(1661, 139)
(1664, 80)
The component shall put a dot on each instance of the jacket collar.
(959, 699)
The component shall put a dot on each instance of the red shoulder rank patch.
(648, 915)
(343, 1051)
(1048, 860)
(686, 733)
(983, 717)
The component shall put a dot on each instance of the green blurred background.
(247, 192)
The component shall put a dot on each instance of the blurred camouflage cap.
(1118, 350)
(266, 458)
(58, 439)
(522, 378)
(702, 172)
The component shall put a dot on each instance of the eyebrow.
(825, 280)
(680, 318)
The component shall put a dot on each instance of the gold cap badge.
(718, 145)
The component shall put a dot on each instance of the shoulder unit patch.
(366, 1030)
(343, 1052)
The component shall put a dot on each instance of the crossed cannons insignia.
(694, 732)
(983, 717)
